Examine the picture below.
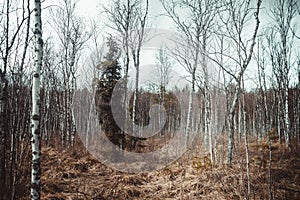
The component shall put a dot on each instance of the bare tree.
(261, 68)
(163, 76)
(129, 18)
(233, 18)
(280, 46)
(72, 33)
(137, 39)
(163, 68)
(194, 31)
(15, 23)
(50, 92)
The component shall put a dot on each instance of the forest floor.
(75, 174)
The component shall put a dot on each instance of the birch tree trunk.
(231, 124)
(35, 118)
(189, 118)
(283, 13)
(207, 99)
(142, 16)
(247, 153)
(135, 101)
(243, 116)
(279, 121)
(244, 54)
(286, 117)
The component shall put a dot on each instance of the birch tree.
(163, 72)
(194, 29)
(72, 33)
(129, 19)
(233, 18)
(283, 13)
(261, 68)
(35, 118)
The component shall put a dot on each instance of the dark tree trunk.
(3, 122)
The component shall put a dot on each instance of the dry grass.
(75, 174)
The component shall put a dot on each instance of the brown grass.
(75, 174)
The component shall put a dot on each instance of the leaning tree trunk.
(231, 124)
(35, 118)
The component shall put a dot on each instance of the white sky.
(90, 9)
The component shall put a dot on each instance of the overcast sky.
(90, 9)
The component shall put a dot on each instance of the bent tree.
(35, 118)
(239, 50)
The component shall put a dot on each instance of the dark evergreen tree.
(110, 75)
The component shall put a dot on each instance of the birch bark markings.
(129, 19)
(195, 30)
(280, 44)
(136, 44)
(234, 18)
(285, 26)
(35, 118)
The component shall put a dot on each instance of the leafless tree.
(15, 23)
(129, 18)
(195, 29)
(163, 75)
(280, 51)
(237, 52)
(72, 34)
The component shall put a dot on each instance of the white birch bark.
(207, 111)
(279, 117)
(247, 153)
(243, 64)
(137, 39)
(240, 122)
(231, 125)
(134, 106)
(35, 118)
(253, 123)
(243, 116)
(286, 117)
(188, 120)
(283, 13)
(208, 131)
